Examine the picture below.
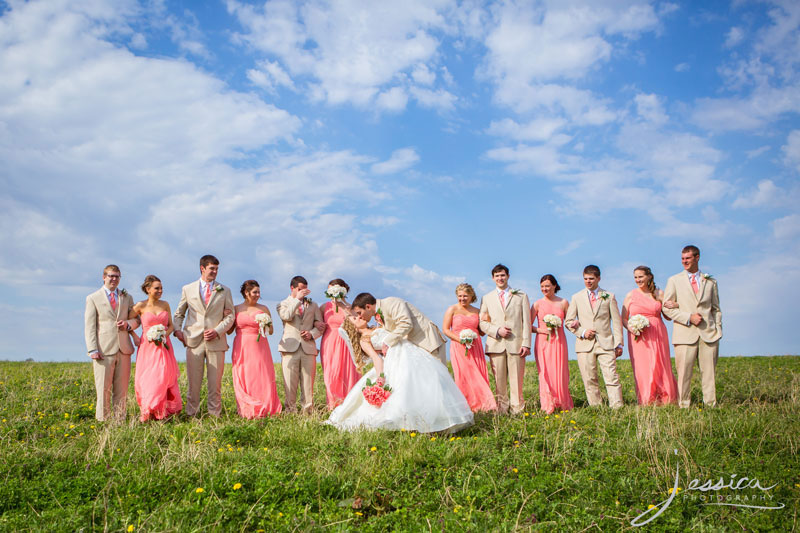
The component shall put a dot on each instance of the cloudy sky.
(404, 146)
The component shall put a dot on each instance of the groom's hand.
(504, 332)
(210, 334)
(306, 335)
(525, 351)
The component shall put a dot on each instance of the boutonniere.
(379, 316)
(218, 288)
(708, 277)
(307, 299)
(515, 291)
(124, 292)
(603, 295)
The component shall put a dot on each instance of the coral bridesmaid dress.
(470, 369)
(551, 361)
(156, 378)
(652, 368)
(253, 371)
(338, 369)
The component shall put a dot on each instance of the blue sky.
(404, 146)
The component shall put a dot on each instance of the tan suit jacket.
(199, 318)
(706, 302)
(100, 324)
(604, 319)
(293, 324)
(516, 316)
(404, 321)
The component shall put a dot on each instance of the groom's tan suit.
(507, 365)
(692, 342)
(404, 321)
(299, 356)
(113, 371)
(193, 316)
(605, 320)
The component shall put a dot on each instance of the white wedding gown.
(424, 397)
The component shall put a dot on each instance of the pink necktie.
(113, 299)
(502, 299)
(593, 299)
(208, 293)
(695, 286)
(300, 309)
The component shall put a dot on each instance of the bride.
(424, 397)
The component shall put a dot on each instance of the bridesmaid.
(551, 348)
(253, 371)
(338, 370)
(156, 377)
(469, 367)
(652, 367)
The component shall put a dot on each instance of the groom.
(208, 309)
(403, 321)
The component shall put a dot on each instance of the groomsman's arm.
(572, 316)
(716, 308)
(288, 308)
(403, 324)
(617, 322)
(229, 318)
(180, 312)
(315, 331)
(90, 326)
(486, 326)
(671, 294)
(526, 322)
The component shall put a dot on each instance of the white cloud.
(791, 150)
(400, 160)
(650, 108)
(768, 194)
(537, 129)
(682, 67)
(269, 75)
(734, 37)
(786, 228)
(571, 246)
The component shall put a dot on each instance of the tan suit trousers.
(588, 363)
(197, 360)
(706, 355)
(508, 370)
(298, 368)
(112, 376)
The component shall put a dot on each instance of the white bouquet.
(336, 293)
(157, 334)
(264, 321)
(552, 322)
(636, 325)
(467, 337)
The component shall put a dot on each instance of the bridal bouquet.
(378, 392)
(336, 293)
(264, 321)
(467, 337)
(636, 325)
(552, 322)
(157, 334)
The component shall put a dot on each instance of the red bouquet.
(378, 392)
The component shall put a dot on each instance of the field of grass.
(590, 469)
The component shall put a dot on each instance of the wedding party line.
(409, 385)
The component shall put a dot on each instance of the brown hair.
(691, 248)
(247, 286)
(340, 282)
(363, 299)
(592, 270)
(149, 280)
(208, 260)
(552, 279)
(651, 284)
(111, 268)
(466, 287)
(500, 268)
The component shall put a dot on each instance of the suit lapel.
(195, 293)
(105, 303)
(688, 284)
(702, 284)
(500, 304)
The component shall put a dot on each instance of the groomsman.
(106, 327)
(403, 321)
(207, 307)
(697, 326)
(506, 318)
(302, 325)
(593, 316)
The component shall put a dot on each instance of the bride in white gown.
(424, 397)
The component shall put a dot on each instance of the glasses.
(112, 276)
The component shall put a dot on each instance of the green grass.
(589, 469)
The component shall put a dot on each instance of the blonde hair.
(466, 287)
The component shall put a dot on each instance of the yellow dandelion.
(451, 439)
(458, 438)
(66, 415)
(237, 486)
(91, 427)
(433, 438)
(130, 528)
(359, 513)
(571, 439)
(118, 449)
(651, 506)
(413, 434)
(572, 422)
(514, 470)
(198, 441)
(557, 416)
(71, 426)
(527, 414)
(220, 450)
(547, 417)
(280, 514)
(265, 449)
(199, 490)
(617, 502)
(297, 473)
(373, 449)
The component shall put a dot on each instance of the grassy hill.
(589, 469)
